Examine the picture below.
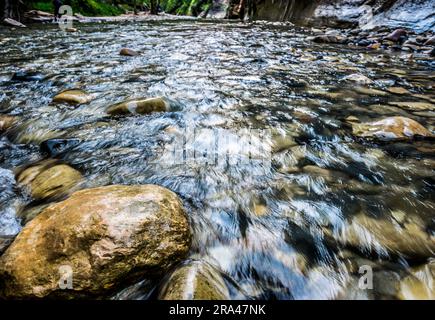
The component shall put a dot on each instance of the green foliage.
(43, 6)
(116, 7)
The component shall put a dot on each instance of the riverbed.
(258, 144)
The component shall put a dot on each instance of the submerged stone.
(393, 128)
(73, 97)
(139, 106)
(47, 181)
(195, 281)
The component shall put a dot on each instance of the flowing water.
(257, 113)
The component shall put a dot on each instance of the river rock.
(396, 35)
(195, 281)
(358, 78)
(139, 106)
(6, 122)
(420, 284)
(105, 236)
(383, 235)
(327, 39)
(430, 41)
(398, 90)
(413, 106)
(46, 181)
(13, 23)
(128, 52)
(73, 97)
(392, 128)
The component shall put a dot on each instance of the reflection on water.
(257, 144)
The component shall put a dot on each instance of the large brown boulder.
(106, 236)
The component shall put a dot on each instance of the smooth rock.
(397, 90)
(430, 41)
(327, 39)
(128, 52)
(392, 128)
(139, 106)
(107, 237)
(13, 23)
(413, 106)
(358, 78)
(383, 235)
(73, 97)
(28, 76)
(396, 35)
(420, 284)
(7, 122)
(46, 181)
(195, 281)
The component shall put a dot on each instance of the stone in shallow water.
(73, 97)
(393, 128)
(358, 78)
(396, 35)
(414, 106)
(398, 90)
(420, 284)
(387, 236)
(128, 52)
(139, 106)
(46, 181)
(106, 236)
(7, 122)
(195, 281)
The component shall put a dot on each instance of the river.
(257, 144)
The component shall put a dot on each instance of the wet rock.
(5, 242)
(328, 175)
(385, 236)
(393, 128)
(430, 41)
(414, 106)
(13, 23)
(27, 76)
(106, 237)
(73, 97)
(420, 284)
(195, 281)
(7, 122)
(386, 284)
(128, 52)
(398, 90)
(396, 35)
(358, 78)
(327, 39)
(370, 91)
(54, 147)
(139, 106)
(374, 46)
(46, 181)
(71, 30)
